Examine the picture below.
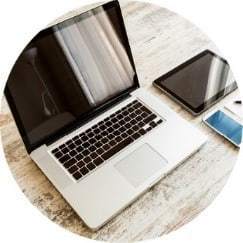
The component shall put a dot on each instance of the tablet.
(198, 83)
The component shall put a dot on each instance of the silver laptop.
(99, 138)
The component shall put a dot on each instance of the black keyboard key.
(68, 142)
(137, 105)
(130, 131)
(138, 112)
(112, 116)
(58, 154)
(94, 155)
(64, 158)
(114, 120)
(150, 118)
(77, 175)
(98, 137)
(110, 136)
(142, 131)
(73, 169)
(94, 127)
(124, 135)
(88, 131)
(153, 124)
(148, 129)
(159, 121)
(104, 133)
(98, 161)
(116, 126)
(80, 149)
(84, 138)
(98, 144)
(144, 114)
(100, 123)
(76, 138)
(120, 116)
(130, 109)
(69, 163)
(128, 125)
(87, 159)
(122, 129)
(96, 131)
(80, 164)
(84, 170)
(104, 140)
(141, 124)
(110, 129)
(118, 112)
(92, 140)
(132, 115)
(118, 139)
(134, 102)
(78, 142)
(85, 152)
(127, 119)
(135, 128)
(102, 127)
(112, 142)
(54, 151)
(125, 113)
(62, 146)
(79, 157)
(138, 118)
(116, 148)
(86, 145)
(133, 122)
(108, 124)
(100, 151)
(65, 150)
(92, 148)
(106, 146)
(71, 146)
(122, 122)
(136, 135)
(146, 110)
(90, 166)
(90, 134)
(117, 133)
(73, 153)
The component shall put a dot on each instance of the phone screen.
(226, 126)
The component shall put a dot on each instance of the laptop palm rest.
(140, 165)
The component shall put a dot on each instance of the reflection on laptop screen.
(69, 70)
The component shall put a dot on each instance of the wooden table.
(160, 40)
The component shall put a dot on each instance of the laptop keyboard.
(89, 149)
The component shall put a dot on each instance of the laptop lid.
(69, 73)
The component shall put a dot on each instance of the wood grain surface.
(160, 40)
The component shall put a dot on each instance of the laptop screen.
(70, 72)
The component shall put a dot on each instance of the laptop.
(98, 137)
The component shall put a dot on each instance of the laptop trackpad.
(140, 165)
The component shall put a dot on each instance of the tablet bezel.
(208, 103)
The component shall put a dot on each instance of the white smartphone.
(226, 125)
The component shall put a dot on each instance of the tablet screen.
(200, 81)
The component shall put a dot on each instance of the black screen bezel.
(208, 103)
(85, 117)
